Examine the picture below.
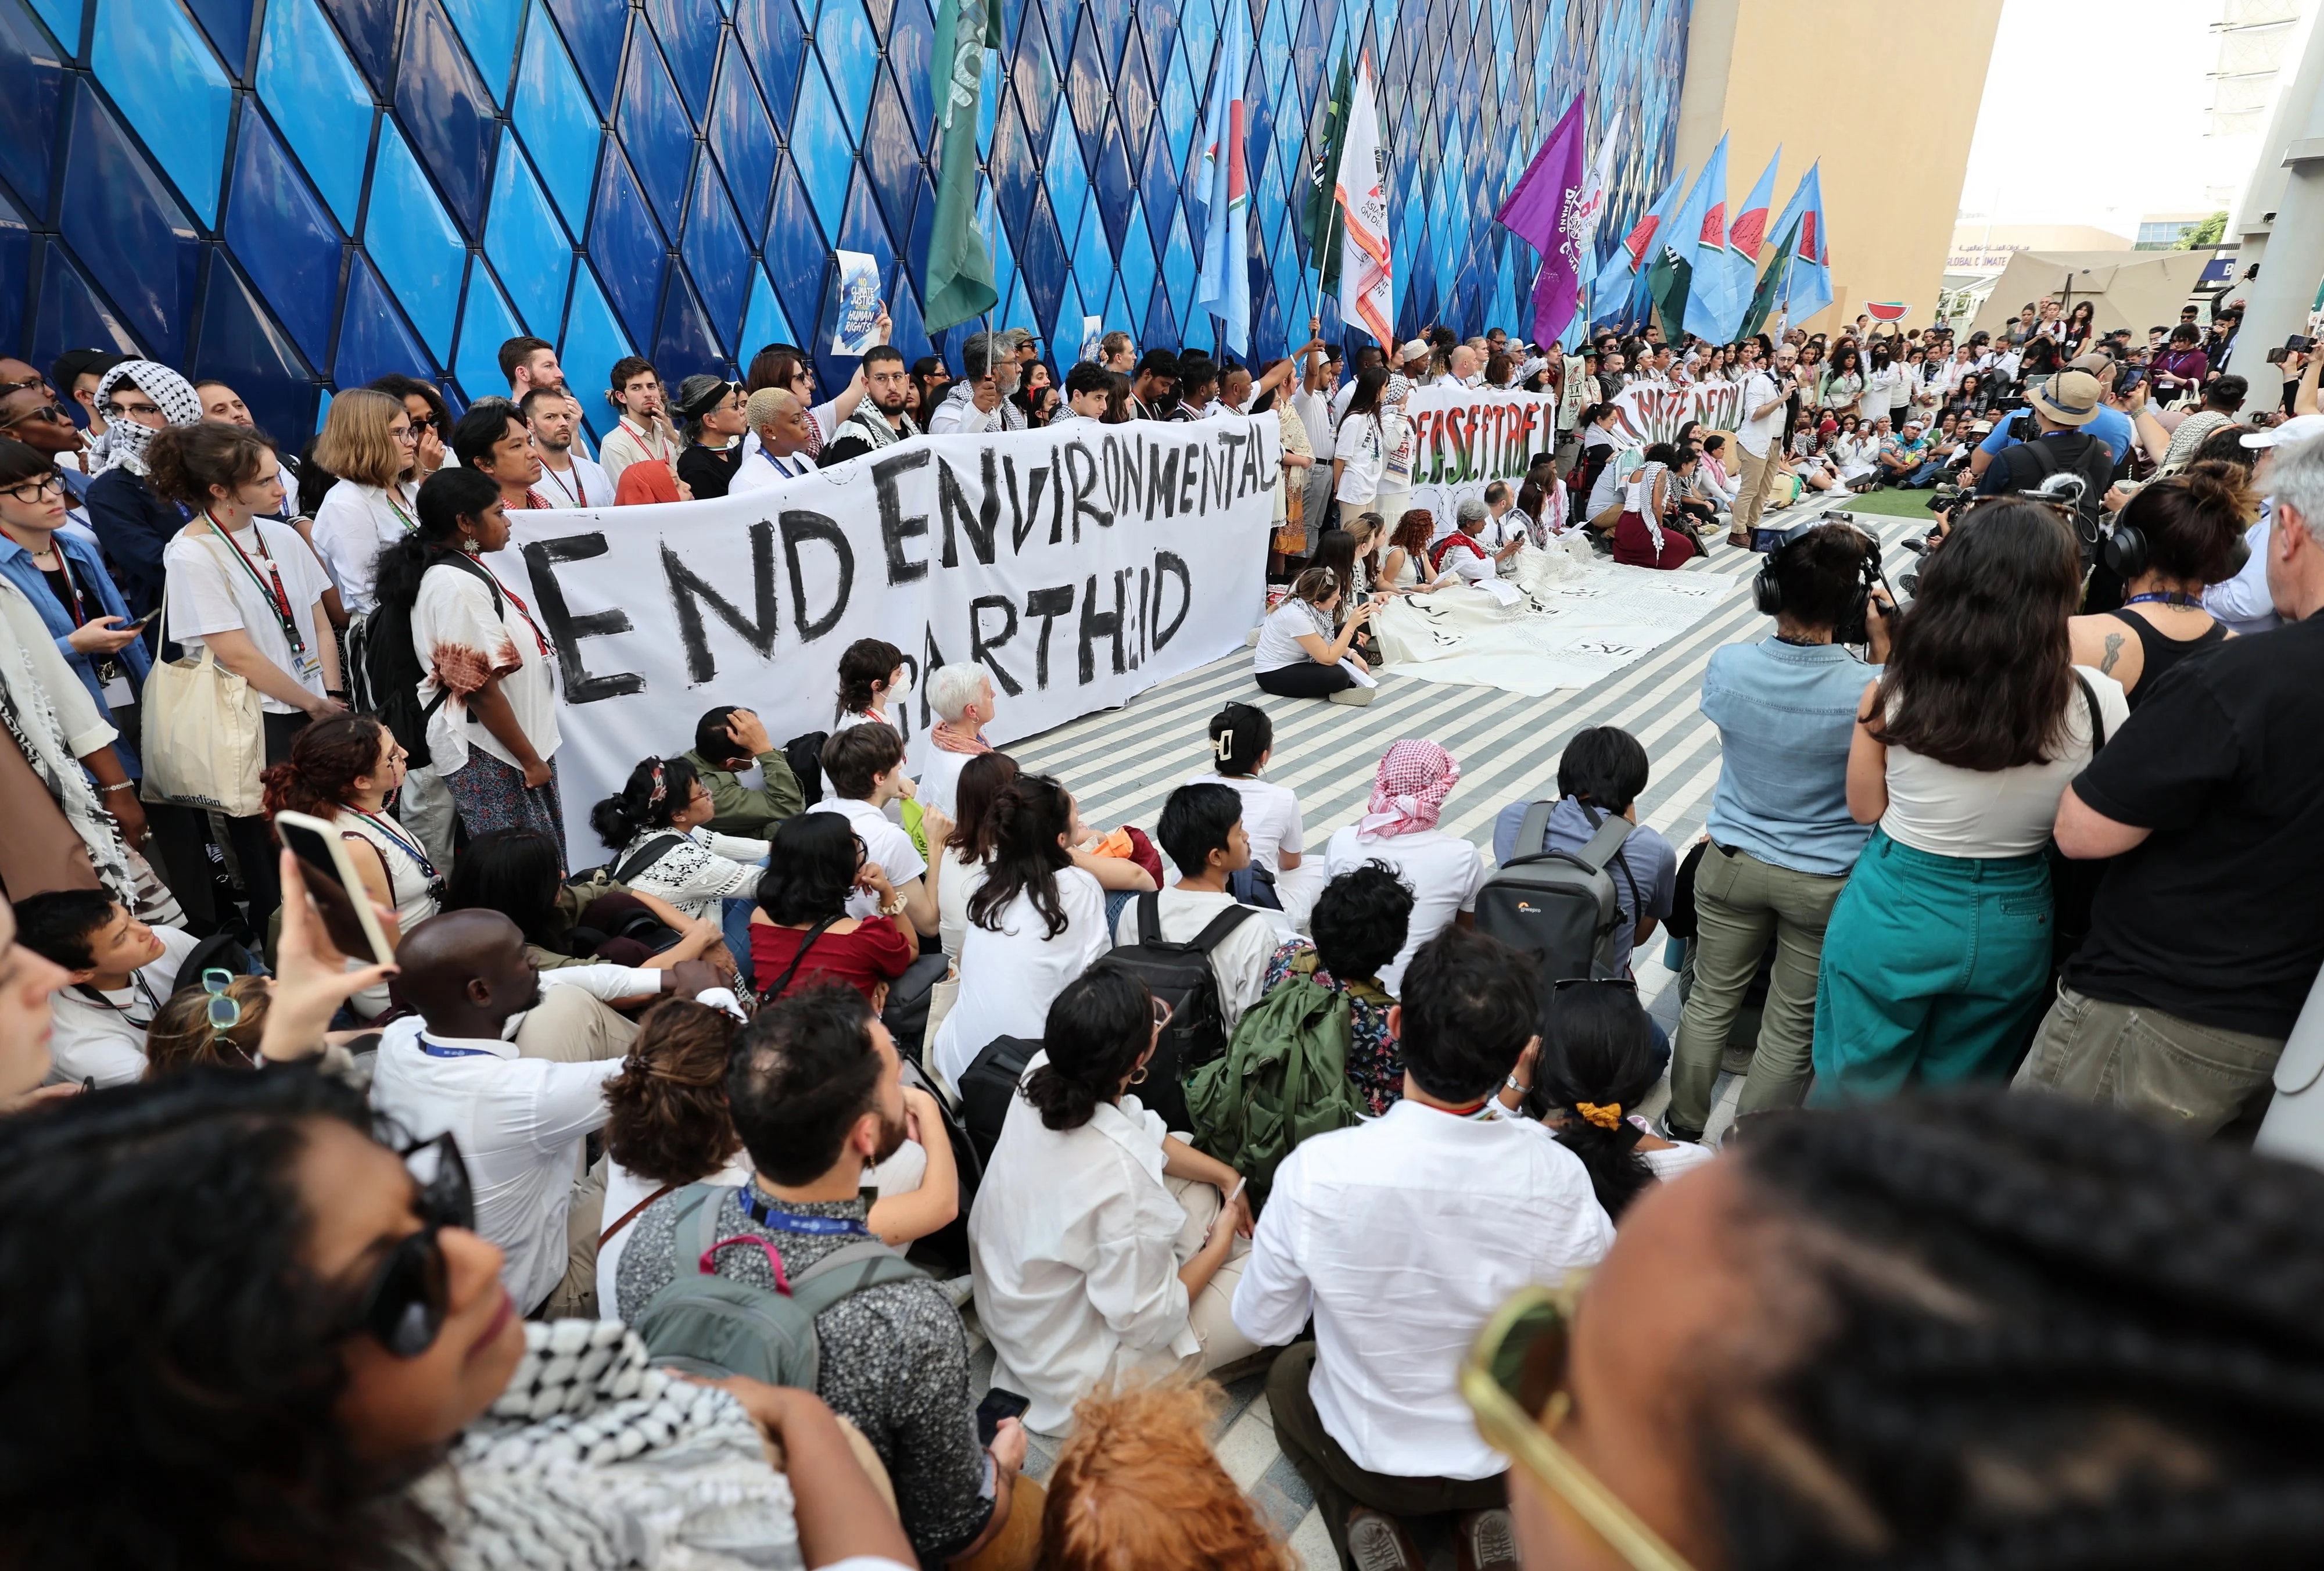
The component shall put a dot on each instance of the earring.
(1138, 1077)
(471, 546)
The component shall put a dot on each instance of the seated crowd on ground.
(836, 1060)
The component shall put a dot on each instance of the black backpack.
(805, 756)
(383, 669)
(2025, 465)
(1179, 974)
(1561, 906)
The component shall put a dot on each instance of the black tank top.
(2162, 652)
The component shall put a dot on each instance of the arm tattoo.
(2112, 654)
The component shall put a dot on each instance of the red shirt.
(875, 952)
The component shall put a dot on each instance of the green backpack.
(1283, 1078)
(704, 1324)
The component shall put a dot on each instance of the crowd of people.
(623, 1166)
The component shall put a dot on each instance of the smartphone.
(2132, 378)
(143, 622)
(338, 891)
(997, 1405)
(2300, 341)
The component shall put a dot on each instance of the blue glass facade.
(298, 194)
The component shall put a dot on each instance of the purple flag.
(1543, 211)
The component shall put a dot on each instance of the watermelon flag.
(1542, 211)
(1610, 293)
(1224, 286)
(1319, 220)
(1746, 239)
(1772, 284)
(1807, 288)
(1887, 310)
(1670, 277)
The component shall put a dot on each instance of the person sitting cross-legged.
(1200, 830)
(1368, 1411)
(1360, 923)
(817, 1093)
(1101, 1245)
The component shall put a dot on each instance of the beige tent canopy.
(2136, 290)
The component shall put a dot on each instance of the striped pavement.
(1121, 763)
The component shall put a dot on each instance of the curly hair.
(1138, 1484)
(1414, 531)
(2034, 1335)
(173, 1368)
(320, 776)
(184, 462)
(666, 1112)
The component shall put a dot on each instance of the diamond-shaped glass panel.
(764, 322)
(445, 109)
(744, 138)
(31, 110)
(820, 149)
(279, 228)
(242, 347)
(627, 246)
(555, 119)
(489, 28)
(126, 227)
(373, 337)
(689, 34)
(593, 31)
(684, 345)
(769, 31)
(528, 247)
(891, 156)
(419, 250)
(160, 72)
(716, 253)
(16, 262)
(486, 323)
(593, 341)
(656, 132)
(843, 37)
(369, 28)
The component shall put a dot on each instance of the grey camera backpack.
(1561, 905)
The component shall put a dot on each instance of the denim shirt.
(89, 572)
(1785, 714)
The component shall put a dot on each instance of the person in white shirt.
(862, 772)
(1103, 1247)
(367, 442)
(642, 428)
(1399, 828)
(960, 693)
(1360, 445)
(567, 479)
(515, 1071)
(1319, 377)
(119, 970)
(1034, 925)
(784, 452)
(1201, 831)
(1368, 1412)
(493, 735)
(979, 402)
(1088, 390)
(1766, 395)
(250, 591)
(1242, 740)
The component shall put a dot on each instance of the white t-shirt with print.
(1361, 446)
(1444, 871)
(210, 592)
(460, 642)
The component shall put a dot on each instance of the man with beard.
(515, 1073)
(978, 401)
(881, 420)
(567, 479)
(816, 1094)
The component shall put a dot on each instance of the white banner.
(1080, 567)
(1465, 438)
(1656, 412)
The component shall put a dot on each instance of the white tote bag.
(205, 740)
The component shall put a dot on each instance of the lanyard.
(410, 847)
(579, 491)
(2166, 597)
(435, 1051)
(278, 599)
(72, 586)
(402, 517)
(656, 446)
(522, 609)
(756, 1208)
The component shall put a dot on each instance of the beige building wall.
(1982, 247)
(1894, 141)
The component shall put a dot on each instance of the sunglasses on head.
(404, 1306)
(1514, 1383)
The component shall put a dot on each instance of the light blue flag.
(1747, 237)
(1616, 285)
(1669, 274)
(1224, 286)
(1807, 289)
(1707, 307)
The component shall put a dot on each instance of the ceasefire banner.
(1465, 438)
(1079, 567)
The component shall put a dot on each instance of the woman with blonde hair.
(208, 1026)
(1139, 1484)
(367, 441)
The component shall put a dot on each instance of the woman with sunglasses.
(217, 1025)
(369, 442)
(1936, 961)
(309, 1361)
(1963, 1332)
(1101, 1245)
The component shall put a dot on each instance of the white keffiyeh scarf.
(125, 439)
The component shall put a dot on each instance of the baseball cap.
(2298, 428)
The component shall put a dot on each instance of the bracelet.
(895, 909)
(120, 785)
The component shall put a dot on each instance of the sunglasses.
(404, 1306)
(47, 411)
(426, 422)
(1514, 1380)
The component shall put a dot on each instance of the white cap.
(2298, 428)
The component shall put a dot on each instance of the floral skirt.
(492, 795)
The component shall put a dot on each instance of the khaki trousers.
(1759, 479)
(2191, 1076)
(570, 1025)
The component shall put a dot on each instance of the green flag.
(1319, 224)
(1666, 286)
(1771, 283)
(959, 284)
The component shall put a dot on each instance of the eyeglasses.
(1514, 1380)
(40, 489)
(426, 422)
(47, 411)
(131, 410)
(1563, 983)
(1162, 1015)
(404, 1308)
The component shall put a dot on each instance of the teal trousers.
(1934, 970)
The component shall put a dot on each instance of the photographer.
(2062, 409)
(1781, 839)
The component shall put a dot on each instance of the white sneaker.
(1356, 697)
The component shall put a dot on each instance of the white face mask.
(899, 690)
